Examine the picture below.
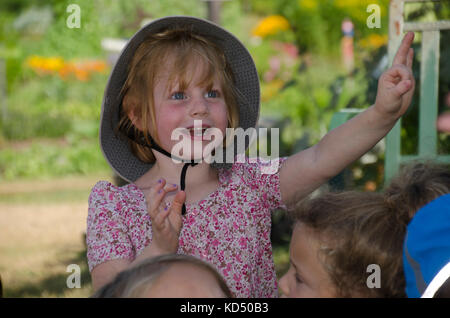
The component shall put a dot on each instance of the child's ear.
(131, 107)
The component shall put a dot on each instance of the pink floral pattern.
(230, 228)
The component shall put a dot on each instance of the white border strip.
(437, 282)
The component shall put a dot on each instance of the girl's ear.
(131, 107)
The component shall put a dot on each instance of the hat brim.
(116, 150)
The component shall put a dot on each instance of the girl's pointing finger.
(401, 56)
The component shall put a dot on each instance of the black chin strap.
(156, 147)
(183, 179)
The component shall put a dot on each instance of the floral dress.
(230, 228)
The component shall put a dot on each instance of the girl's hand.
(396, 85)
(166, 218)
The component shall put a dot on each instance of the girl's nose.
(199, 107)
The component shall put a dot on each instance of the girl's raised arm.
(305, 171)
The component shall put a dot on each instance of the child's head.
(420, 190)
(170, 71)
(423, 187)
(173, 73)
(336, 237)
(418, 184)
(167, 276)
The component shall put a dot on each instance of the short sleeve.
(264, 176)
(106, 234)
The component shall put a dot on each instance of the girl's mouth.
(198, 133)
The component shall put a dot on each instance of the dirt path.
(42, 226)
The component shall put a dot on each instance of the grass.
(42, 191)
(42, 226)
(51, 158)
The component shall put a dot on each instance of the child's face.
(175, 108)
(306, 277)
(185, 281)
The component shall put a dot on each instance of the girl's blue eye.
(213, 94)
(178, 95)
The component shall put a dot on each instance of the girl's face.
(306, 277)
(176, 108)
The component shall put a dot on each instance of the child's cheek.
(219, 111)
(167, 121)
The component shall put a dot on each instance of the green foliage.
(66, 110)
(50, 107)
(99, 19)
(261, 53)
(309, 103)
(317, 24)
(16, 6)
(50, 159)
(261, 7)
(233, 19)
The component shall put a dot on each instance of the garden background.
(52, 79)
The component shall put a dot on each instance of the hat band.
(156, 147)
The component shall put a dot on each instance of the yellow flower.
(34, 62)
(54, 63)
(42, 64)
(374, 41)
(271, 89)
(271, 25)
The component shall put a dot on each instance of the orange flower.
(370, 186)
(56, 65)
(66, 70)
(81, 75)
(96, 66)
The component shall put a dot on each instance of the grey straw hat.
(115, 149)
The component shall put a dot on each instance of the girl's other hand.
(166, 218)
(396, 85)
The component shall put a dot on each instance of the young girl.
(173, 72)
(339, 240)
(171, 276)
